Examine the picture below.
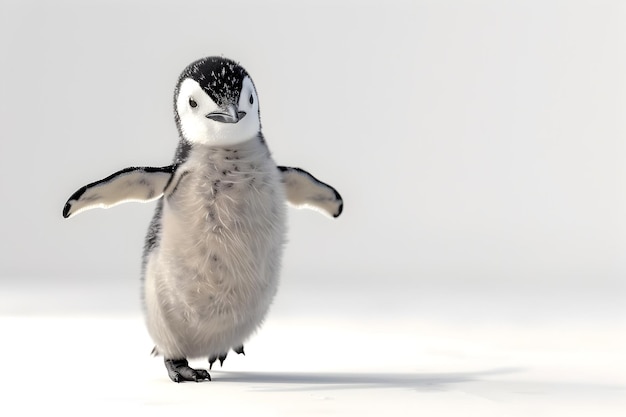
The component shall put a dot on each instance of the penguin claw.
(239, 350)
(212, 360)
(222, 358)
(202, 375)
(179, 371)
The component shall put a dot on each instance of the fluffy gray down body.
(211, 276)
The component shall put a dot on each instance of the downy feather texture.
(210, 279)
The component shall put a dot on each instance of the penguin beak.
(227, 114)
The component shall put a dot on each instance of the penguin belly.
(212, 277)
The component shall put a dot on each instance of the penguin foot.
(179, 371)
(239, 350)
(213, 358)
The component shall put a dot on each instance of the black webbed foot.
(239, 350)
(179, 370)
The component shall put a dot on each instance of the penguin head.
(215, 103)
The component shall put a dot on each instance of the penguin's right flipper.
(141, 184)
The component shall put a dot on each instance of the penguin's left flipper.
(141, 184)
(304, 190)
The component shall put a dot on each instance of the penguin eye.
(192, 103)
(251, 99)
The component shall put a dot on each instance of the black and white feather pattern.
(130, 184)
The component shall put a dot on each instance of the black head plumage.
(221, 78)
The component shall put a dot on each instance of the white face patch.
(193, 106)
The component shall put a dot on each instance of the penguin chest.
(222, 233)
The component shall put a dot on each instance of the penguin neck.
(251, 149)
(248, 145)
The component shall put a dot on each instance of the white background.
(479, 147)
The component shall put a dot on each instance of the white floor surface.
(99, 363)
